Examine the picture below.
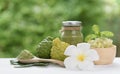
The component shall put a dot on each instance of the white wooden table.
(7, 68)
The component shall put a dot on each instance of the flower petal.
(70, 50)
(83, 46)
(71, 63)
(86, 65)
(92, 55)
(74, 52)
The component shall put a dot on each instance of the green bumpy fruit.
(58, 48)
(44, 48)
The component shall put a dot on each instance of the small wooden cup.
(106, 55)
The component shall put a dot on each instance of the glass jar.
(71, 32)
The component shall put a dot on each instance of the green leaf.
(18, 64)
(90, 37)
(95, 28)
(106, 34)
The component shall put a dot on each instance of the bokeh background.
(24, 23)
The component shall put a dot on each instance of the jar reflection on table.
(71, 32)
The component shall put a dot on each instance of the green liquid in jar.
(72, 37)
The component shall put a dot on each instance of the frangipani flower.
(80, 57)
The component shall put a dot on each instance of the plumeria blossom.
(80, 57)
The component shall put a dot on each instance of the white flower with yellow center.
(80, 57)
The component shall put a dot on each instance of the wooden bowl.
(106, 55)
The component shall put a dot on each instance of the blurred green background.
(24, 23)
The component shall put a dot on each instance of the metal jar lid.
(71, 23)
